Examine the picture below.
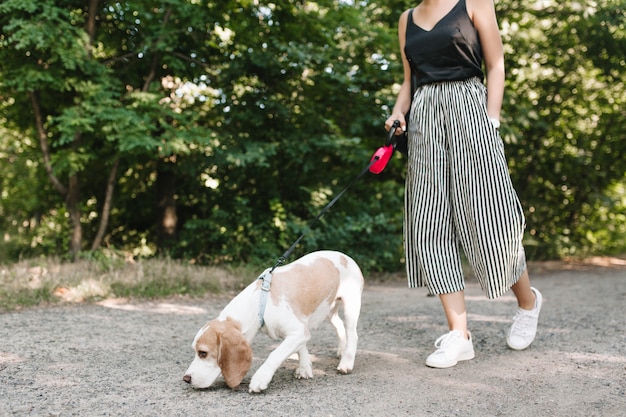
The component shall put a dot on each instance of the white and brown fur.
(303, 294)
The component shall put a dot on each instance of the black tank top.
(450, 51)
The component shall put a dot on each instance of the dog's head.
(220, 348)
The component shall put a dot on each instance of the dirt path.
(127, 359)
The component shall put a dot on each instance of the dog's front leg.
(263, 376)
(305, 367)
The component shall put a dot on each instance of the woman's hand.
(389, 122)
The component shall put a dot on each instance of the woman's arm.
(483, 14)
(403, 101)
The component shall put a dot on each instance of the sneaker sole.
(464, 357)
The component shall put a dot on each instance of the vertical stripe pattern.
(459, 194)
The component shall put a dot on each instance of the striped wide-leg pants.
(459, 194)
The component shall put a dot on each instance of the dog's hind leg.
(351, 312)
(340, 329)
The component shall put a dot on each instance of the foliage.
(234, 123)
(565, 123)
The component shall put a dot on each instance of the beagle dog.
(301, 295)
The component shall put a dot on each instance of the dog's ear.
(234, 356)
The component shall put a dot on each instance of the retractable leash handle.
(392, 138)
(381, 157)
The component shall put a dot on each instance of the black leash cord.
(283, 258)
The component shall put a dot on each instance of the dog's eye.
(202, 354)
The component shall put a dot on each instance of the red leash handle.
(381, 157)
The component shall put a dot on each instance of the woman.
(459, 193)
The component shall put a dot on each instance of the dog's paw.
(260, 381)
(345, 366)
(256, 386)
(304, 373)
(343, 370)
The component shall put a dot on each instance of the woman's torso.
(450, 51)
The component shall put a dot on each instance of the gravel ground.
(123, 358)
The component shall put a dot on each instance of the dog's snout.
(187, 379)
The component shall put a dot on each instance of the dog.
(301, 295)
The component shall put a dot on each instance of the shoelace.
(521, 321)
(445, 340)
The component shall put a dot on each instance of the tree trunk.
(90, 27)
(106, 207)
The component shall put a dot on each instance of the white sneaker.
(451, 348)
(524, 326)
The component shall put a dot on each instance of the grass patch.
(50, 281)
(25, 297)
